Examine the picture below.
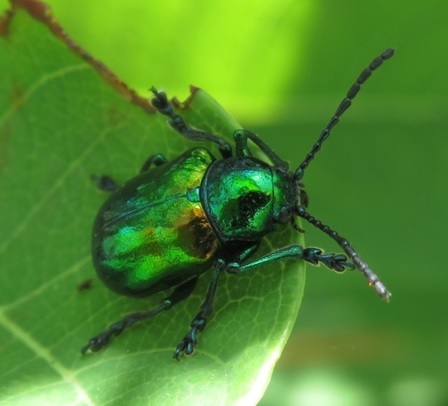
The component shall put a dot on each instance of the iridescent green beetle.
(177, 219)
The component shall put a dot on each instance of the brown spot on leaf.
(85, 285)
(4, 22)
(17, 97)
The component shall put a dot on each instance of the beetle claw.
(187, 345)
(96, 343)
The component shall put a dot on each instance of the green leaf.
(64, 117)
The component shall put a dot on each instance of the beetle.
(177, 219)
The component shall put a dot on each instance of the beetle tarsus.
(160, 101)
(96, 343)
(187, 345)
(336, 262)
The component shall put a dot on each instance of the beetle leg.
(105, 183)
(180, 293)
(242, 149)
(156, 160)
(188, 343)
(315, 256)
(163, 106)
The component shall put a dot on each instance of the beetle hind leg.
(99, 341)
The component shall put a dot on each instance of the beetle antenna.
(349, 250)
(343, 106)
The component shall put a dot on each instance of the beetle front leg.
(188, 343)
(315, 256)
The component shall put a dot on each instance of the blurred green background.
(281, 68)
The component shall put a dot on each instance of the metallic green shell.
(152, 234)
(243, 198)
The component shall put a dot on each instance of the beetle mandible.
(177, 219)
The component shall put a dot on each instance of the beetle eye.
(284, 215)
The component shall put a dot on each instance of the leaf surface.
(64, 117)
